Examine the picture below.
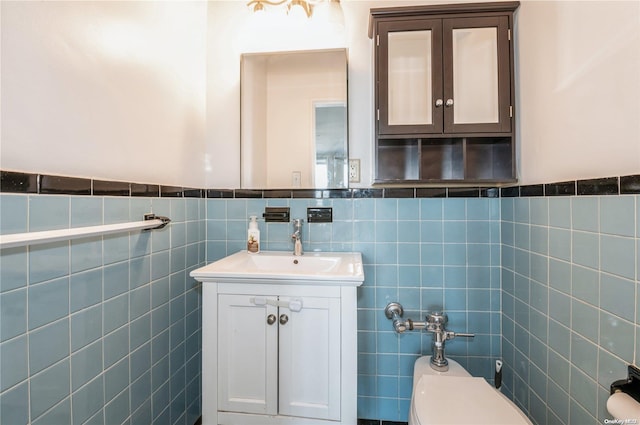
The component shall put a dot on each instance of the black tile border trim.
(54, 185)
(18, 182)
(219, 193)
(109, 188)
(193, 193)
(31, 183)
(463, 192)
(608, 186)
(560, 189)
(431, 192)
(149, 190)
(630, 184)
(532, 190)
(510, 192)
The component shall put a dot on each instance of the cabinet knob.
(271, 319)
(449, 102)
(284, 319)
(439, 103)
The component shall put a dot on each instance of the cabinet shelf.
(453, 159)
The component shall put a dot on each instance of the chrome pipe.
(394, 312)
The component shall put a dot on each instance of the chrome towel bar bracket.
(164, 220)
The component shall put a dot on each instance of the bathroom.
(108, 329)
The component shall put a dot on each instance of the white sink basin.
(343, 267)
(287, 264)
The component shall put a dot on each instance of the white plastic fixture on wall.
(33, 238)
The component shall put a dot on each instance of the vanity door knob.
(449, 102)
(271, 319)
(284, 319)
(439, 103)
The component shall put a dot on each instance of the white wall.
(578, 79)
(149, 91)
(107, 90)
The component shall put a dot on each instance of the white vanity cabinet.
(277, 353)
(279, 338)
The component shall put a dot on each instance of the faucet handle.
(450, 335)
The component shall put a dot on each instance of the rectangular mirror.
(294, 120)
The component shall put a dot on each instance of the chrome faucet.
(297, 236)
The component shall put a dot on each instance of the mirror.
(294, 120)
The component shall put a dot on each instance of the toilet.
(455, 397)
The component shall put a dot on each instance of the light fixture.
(306, 5)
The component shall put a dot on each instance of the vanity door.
(247, 355)
(310, 352)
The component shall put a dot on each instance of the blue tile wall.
(428, 254)
(107, 330)
(569, 302)
(103, 330)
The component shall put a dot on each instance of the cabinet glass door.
(409, 77)
(475, 75)
(410, 88)
(476, 69)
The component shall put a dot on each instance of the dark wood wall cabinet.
(444, 93)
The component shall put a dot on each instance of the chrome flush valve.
(436, 323)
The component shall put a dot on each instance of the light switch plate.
(296, 178)
(354, 171)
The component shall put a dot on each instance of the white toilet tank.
(457, 398)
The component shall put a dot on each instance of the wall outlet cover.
(354, 171)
